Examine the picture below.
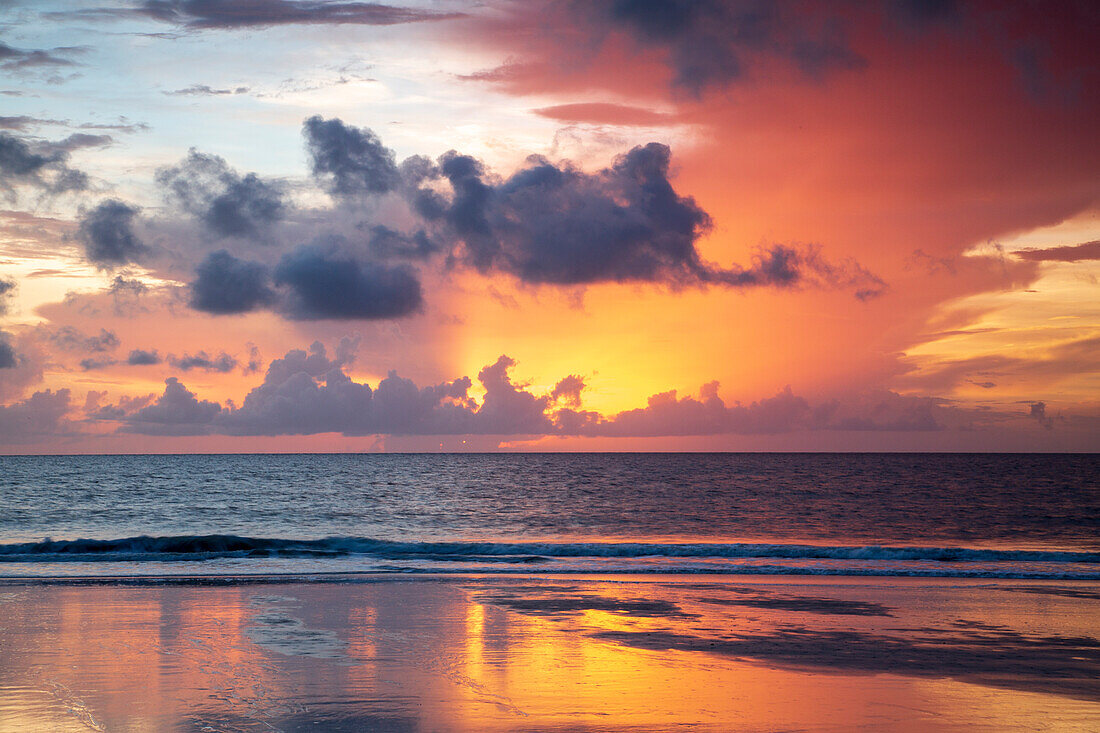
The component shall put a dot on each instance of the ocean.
(930, 515)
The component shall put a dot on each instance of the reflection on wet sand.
(393, 654)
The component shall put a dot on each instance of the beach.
(554, 653)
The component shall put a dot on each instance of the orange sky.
(903, 157)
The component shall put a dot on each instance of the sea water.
(943, 515)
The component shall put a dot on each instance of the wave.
(206, 547)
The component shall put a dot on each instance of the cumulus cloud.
(554, 224)
(324, 283)
(202, 14)
(108, 235)
(349, 161)
(227, 203)
(175, 412)
(41, 165)
(547, 224)
(306, 392)
(40, 415)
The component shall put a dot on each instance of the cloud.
(386, 243)
(1038, 412)
(228, 204)
(17, 59)
(176, 412)
(41, 414)
(79, 140)
(42, 165)
(349, 161)
(7, 290)
(1068, 253)
(222, 363)
(705, 45)
(707, 414)
(306, 393)
(202, 90)
(141, 357)
(108, 235)
(7, 352)
(228, 285)
(315, 282)
(568, 391)
(22, 122)
(91, 364)
(554, 224)
(605, 113)
(206, 15)
(70, 339)
(326, 284)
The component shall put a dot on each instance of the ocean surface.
(933, 515)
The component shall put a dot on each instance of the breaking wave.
(376, 555)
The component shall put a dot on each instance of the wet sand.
(391, 653)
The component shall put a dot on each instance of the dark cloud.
(1038, 412)
(108, 235)
(206, 14)
(326, 284)
(176, 412)
(710, 44)
(227, 285)
(554, 224)
(349, 161)
(141, 357)
(42, 165)
(1068, 253)
(919, 14)
(222, 363)
(41, 414)
(7, 290)
(8, 359)
(202, 90)
(386, 243)
(226, 202)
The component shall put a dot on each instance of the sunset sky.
(299, 225)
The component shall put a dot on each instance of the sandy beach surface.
(469, 653)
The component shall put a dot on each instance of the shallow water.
(490, 653)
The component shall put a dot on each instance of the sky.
(616, 225)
